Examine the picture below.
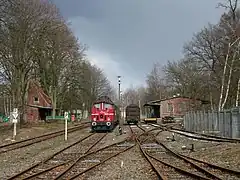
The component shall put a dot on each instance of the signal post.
(14, 121)
(66, 122)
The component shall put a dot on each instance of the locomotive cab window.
(107, 106)
(97, 106)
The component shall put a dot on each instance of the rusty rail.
(203, 170)
(86, 153)
(199, 136)
(213, 165)
(48, 158)
(141, 128)
(155, 169)
(106, 159)
(159, 173)
(37, 139)
(234, 140)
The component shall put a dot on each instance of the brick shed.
(179, 105)
(38, 104)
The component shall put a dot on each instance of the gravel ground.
(225, 155)
(219, 153)
(6, 132)
(19, 159)
(127, 166)
(113, 137)
(130, 165)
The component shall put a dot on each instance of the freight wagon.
(132, 114)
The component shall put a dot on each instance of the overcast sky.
(126, 37)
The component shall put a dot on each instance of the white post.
(14, 120)
(66, 119)
(14, 130)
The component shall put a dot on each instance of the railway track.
(165, 162)
(203, 169)
(195, 135)
(159, 160)
(97, 158)
(224, 172)
(233, 140)
(27, 142)
(67, 160)
(170, 165)
(75, 164)
(49, 163)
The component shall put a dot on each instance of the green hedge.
(4, 118)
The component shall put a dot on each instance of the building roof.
(40, 107)
(185, 97)
(153, 103)
(158, 102)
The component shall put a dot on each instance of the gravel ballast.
(17, 160)
(219, 153)
(31, 131)
(129, 165)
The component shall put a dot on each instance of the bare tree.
(100, 84)
(62, 50)
(235, 54)
(36, 43)
(156, 83)
(216, 48)
(23, 22)
(135, 95)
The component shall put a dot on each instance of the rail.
(37, 139)
(196, 171)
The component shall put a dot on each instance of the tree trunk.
(211, 100)
(8, 105)
(25, 100)
(230, 75)
(223, 80)
(4, 104)
(238, 92)
(228, 84)
(54, 102)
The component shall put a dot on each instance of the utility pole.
(139, 104)
(119, 93)
(119, 98)
(119, 89)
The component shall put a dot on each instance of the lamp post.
(119, 88)
(119, 97)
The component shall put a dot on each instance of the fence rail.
(225, 123)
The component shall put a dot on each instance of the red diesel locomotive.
(104, 114)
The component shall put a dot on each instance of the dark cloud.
(136, 33)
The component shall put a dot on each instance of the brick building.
(38, 103)
(179, 105)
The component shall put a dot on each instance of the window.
(107, 106)
(182, 106)
(97, 106)
(170, 107)
(36, 100)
